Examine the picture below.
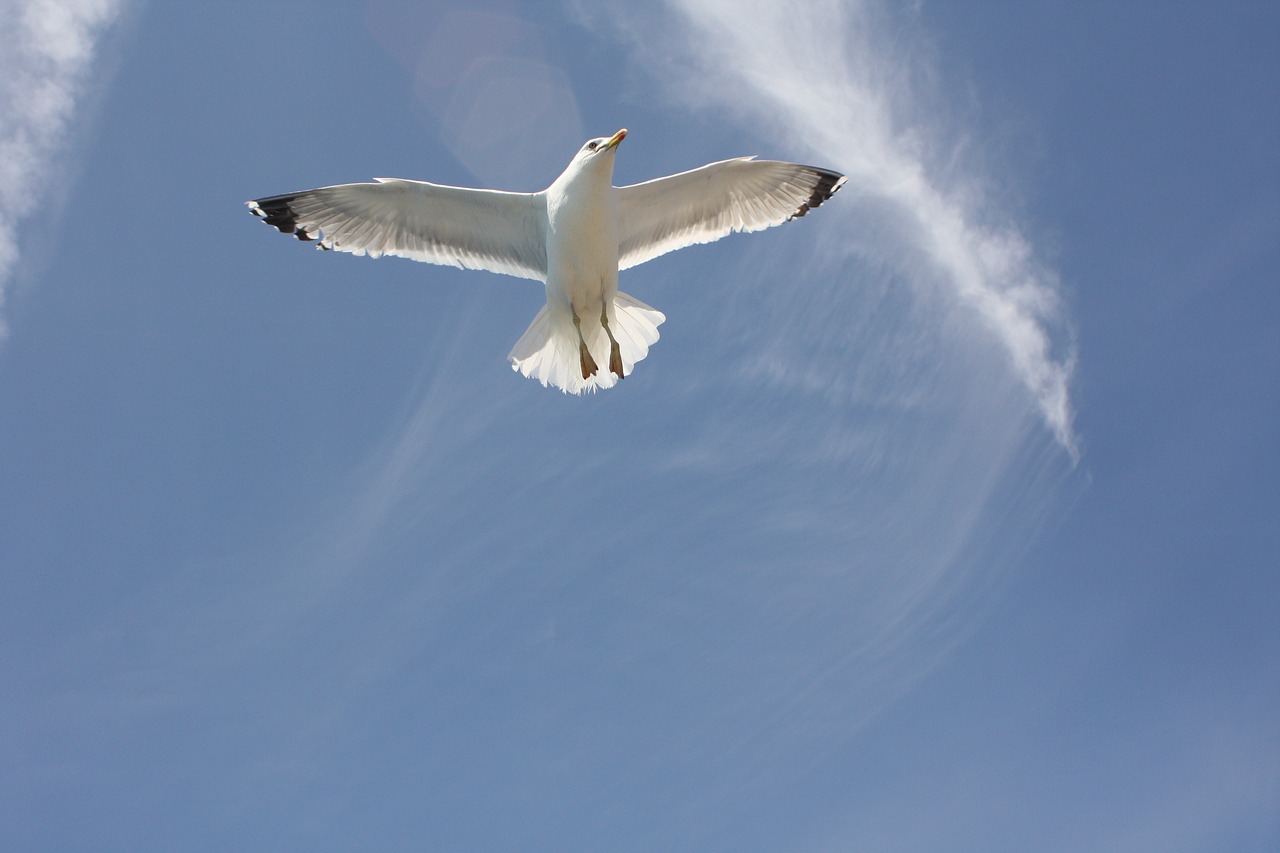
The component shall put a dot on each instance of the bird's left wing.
(475, 229)
(705, 204)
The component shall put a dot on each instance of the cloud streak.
(47, 48)
(835, 77)
(839, 524)
(761, 543)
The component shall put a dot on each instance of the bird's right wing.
(476, 229)
(705, 204)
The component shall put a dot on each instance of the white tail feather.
(548, 350)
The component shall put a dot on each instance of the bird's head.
(602, 145)
(596, 156)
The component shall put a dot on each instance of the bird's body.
(582, 250)
(575, 236)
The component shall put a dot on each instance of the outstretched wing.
(705, 204)
(474, 229)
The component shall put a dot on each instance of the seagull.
(575, 236)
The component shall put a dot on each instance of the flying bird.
(575, 236)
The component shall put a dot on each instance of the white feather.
(474, 229)
(705, 204)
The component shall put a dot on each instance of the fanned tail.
(548, 350)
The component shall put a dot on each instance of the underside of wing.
(474, 229)
(703, 205)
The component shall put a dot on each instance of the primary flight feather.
(575, 236)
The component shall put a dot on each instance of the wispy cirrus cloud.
(773, 563)
(838, 77)
(47, 49)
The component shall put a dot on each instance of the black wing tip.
(277, 212)
(827, 184)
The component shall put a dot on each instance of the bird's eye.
(591, 146)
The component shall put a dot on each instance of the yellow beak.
(614, 140)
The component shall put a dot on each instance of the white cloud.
(787, 559)
(47, 49)
(837, 78)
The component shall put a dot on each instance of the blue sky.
(945, 518)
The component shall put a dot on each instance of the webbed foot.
(615, 359)
(615, 354)
(589, 367)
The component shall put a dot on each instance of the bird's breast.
(582, 245)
